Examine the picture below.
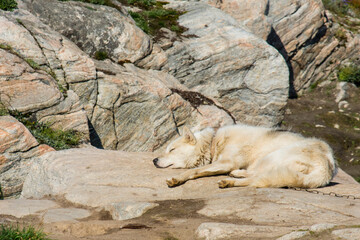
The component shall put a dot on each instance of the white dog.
(254, 156)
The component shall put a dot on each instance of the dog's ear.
(189, 136)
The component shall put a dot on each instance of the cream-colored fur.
(253, 156)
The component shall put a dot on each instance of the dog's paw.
(173, 182)
(239, 173)
(225, 183)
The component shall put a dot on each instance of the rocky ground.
(97, 194)
(234, 61)
(331, 112)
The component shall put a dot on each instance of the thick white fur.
(254, 156)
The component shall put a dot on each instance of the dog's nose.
(155, 161)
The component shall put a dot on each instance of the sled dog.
(252, 156)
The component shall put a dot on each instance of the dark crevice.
(274, 40)
(196, 99)
(320, 33)
(94, 137)
(175, 123)
(267, 9)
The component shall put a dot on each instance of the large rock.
(224, 61)
(117, 99)
(95, 28)
(17, 149)
(301, 30)
(36, 66)
(126, 182)
(129, 96)
(250, 13)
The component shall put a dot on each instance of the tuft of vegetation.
(57, 139)
(5, 47)
(32, 64)
(342, 7)
(314, 85)
(10, 232)
(350, 74)
(101, 55)
(151, 17)
(142, 4)
(341, 35)
(8, 5)
(358, 180)
(154, 16)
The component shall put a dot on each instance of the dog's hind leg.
(216, 168)
(233, 182)
(239, 173)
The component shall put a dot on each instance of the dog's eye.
(171, 150)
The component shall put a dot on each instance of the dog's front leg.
(216, 168)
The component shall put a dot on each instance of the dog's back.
(277, 158)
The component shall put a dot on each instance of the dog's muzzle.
(155, 161)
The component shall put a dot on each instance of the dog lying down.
(253, 156)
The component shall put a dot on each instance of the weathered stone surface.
(64, 214)
(294, 235)
(348, 233)
(17, 148)
(250, 13)
(23, 207)
(129, 210)
(80, 229)
(34, 61)
(214, 230)
(224, 61)
(321, 227)
(77, 174)
(129, 96)
(23, 88)
(301, 30)
(95, 28)
(67, 115)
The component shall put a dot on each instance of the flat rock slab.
(127, 185)
(23, 207)
(213, 230)
(347, 233)
(65, 214)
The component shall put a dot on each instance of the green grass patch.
(10, 232)
(101, 55)
(313, 86)
(342, 7)
(58, 139)
(341, 35)
(5, 47)
(150, 21)
(358, 180)
(32, 64)
(154, 16)
(350, 74)
(338, 7)
(151, 17)
(8, 5)
(142, 4)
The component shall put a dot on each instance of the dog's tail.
(325, 166)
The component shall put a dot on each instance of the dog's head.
(186, 151)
